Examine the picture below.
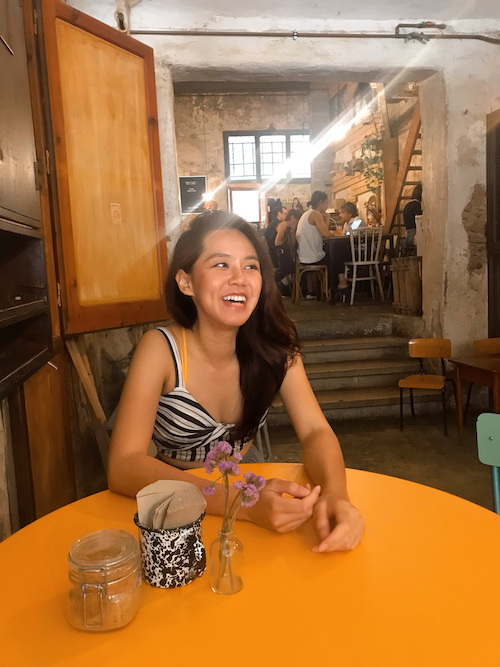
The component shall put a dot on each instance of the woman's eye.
(253, 266)
(223, 264)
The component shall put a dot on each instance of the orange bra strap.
(184, 357)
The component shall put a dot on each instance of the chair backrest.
(488, 438)
(486, 347)
(365, 244)
(430, 348)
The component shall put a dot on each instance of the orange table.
(421, 590)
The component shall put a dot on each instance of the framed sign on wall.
(192, 190)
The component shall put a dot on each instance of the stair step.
(414, 168)
(362, 373)
(352, 349)
(361, 404)
(417, 152)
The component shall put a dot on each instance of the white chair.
(365, 252)
(263, 430)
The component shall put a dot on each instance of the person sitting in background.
(311, 231)
(412, 208)
(285, 242)
(350, 217)
(297, 205)
(278, 215)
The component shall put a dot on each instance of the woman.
(285, 244)
(311, 231)
(410, 211)
(297, 205)
(213, 375)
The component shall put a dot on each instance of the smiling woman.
(212, 376)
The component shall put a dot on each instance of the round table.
(422, 590)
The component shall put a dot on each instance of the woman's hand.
(339, 525)
(283, 515)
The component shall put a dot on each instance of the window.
(260, 156)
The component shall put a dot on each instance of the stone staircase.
(357, 378)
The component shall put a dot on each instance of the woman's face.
(225, 282)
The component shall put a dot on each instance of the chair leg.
(353, 287)
(400, 408)
(372, 281)
(258, 444)
(495, 484)
(412, 403)
(267, 442)
(467, 403)
(445, 419)
(379, 281)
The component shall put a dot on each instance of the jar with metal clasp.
(105, 572)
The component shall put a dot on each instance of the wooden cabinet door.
(18, 188)
(112, 253)
(49, 436)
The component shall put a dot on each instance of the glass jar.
(105, 572)
(226, 564)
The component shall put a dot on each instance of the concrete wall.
(200, 121)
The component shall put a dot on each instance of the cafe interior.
(364, 155)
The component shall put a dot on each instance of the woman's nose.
(237, 275)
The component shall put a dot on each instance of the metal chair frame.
(488, 449)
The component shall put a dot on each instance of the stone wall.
(200, 121)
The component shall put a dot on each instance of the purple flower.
(229, 467)
(249, 493)
(219, 453)
(209, 490)
(237, 456)
(257, 480)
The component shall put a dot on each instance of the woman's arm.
(280, 233)
(317, 219)
(130, 468)
(324, 463)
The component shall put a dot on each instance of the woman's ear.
(183, 281)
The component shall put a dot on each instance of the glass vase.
(226, 564)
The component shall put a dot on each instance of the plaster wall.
(200, 121)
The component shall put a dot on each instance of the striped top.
(183, 429)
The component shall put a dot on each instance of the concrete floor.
(420, 454)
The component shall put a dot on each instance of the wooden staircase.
(409, 175)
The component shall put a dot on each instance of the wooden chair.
(486, 347)
(488, 448)
(365, 252)
(301, 269)
(427, 348)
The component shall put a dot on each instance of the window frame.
(257, 134)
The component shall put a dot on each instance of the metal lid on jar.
(112, 553)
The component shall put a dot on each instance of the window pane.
(245, 203)
(242, 163)
(272, 155)
(300, 156)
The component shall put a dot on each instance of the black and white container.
(172, 557)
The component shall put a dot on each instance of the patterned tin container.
(172, 557)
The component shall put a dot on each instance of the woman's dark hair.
(350, 208)
(417, 192)
(265, 343)
(317, 198)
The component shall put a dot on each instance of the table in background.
(479, 370)
(421, 590)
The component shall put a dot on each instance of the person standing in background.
(412, 208)
(278, 215)
(297, 205)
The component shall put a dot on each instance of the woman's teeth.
(236, 299)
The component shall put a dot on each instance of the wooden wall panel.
(47, 417)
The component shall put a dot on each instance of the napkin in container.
(169, 504)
